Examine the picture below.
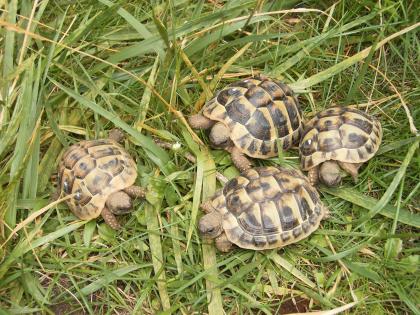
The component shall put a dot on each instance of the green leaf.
(152, 211)
(88, 232)
(393, 248)
(283, 263)
(108, 277)
(410, 263)
(363, 270)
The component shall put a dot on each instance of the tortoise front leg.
(313, 175)
(351, 168)
(110, 219)
(207, 206)
(199, 121)
(223, 244)
(116, 134)
(136, 191)
(239, 159)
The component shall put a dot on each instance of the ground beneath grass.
(73, 70)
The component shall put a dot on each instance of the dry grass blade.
(195, 73)
(33, 216)
(334, 311)
(145, 100)
(201, 100)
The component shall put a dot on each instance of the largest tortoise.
(263, 208)
(249, 117)
(99, 175)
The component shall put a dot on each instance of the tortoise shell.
(92, 170)
(268, 207)
(257, 111)
(342, 134)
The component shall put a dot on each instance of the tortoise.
(248, 116)
(339, 137)
(263, 208)
(100, 174)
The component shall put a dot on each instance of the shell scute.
(266, 207)
(259, 126)
(92, 170)
(237, 111)
(257, 111)
(257, 96)
(342, 134)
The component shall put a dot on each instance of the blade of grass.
(27, 245)
(219, 75)
(283, 263)
(214, 296)
(109, 276)
(152, 210)
(366, 202)
(402, 294)
(302, 85)
(145, 99)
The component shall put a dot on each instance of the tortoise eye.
(66, 187)
(78, 195)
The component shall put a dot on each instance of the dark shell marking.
(92, 170)
(339, 133)
(258, 111)
(268, 207)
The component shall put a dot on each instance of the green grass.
(73, 70)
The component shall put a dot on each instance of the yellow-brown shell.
(258, 111)
(342, 134)
(92, 170)
(268, 207)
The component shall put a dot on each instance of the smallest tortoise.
(100, 174)
(339, 137)
(263, 208)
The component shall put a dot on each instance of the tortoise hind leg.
(239, 159)
(351, 168)
(135, 191)
(110, 219)
(223, 244)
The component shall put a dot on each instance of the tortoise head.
(220, 136)
(210, 225)
(329, 173)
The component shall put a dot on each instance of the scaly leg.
(239, 159)
(136, 191)
(110, 219)
(313, 175)
(223, 244)
(207, 207)
(116, 134)
(199, 121)
(351, 168)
